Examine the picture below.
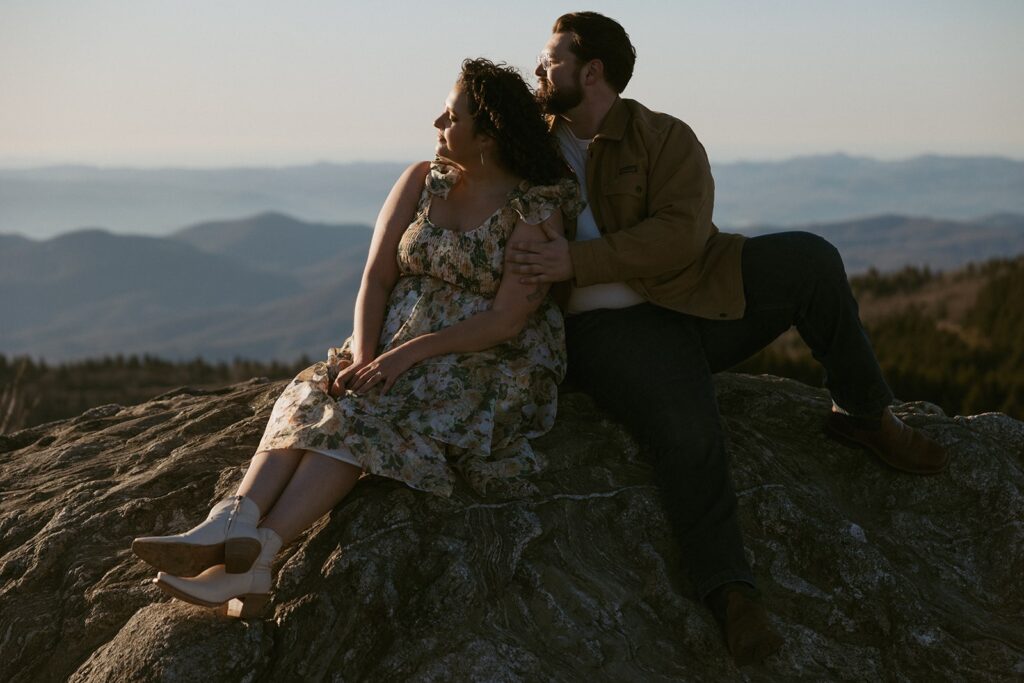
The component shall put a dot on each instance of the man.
(657, 299)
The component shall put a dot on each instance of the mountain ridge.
(93, 292)
(44, 201)
(268, 240)
(271, 286)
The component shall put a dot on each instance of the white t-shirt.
(606, 295)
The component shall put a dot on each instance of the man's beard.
(558, 100)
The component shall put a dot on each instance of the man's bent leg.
(797, 278)
(645, 366)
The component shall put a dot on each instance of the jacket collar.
(614, 125)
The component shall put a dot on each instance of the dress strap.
(424, 201)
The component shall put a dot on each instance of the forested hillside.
(36, 392)
(953, 339)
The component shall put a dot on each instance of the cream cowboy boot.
(228, 537)
(216, 588)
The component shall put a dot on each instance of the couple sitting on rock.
(458, 347)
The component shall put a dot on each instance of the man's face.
(558, 76)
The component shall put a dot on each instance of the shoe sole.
(187, 559)
(842, 437)
(246, 606)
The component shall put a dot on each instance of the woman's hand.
(346, 376)
(384, 369)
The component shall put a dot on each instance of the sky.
(216, 83)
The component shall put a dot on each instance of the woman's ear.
(487, 143)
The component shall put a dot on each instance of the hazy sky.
(255, 82)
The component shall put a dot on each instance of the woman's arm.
(381, 271)
(508, 314)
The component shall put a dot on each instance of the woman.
(450, 364)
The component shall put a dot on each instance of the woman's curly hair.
(504, 107)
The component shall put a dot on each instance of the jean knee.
(822, 255)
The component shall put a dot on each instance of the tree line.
(33, 392)
(969, 365)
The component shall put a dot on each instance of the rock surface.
(869, 574)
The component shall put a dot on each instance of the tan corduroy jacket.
(650, 186)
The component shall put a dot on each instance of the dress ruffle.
(441, 178)
(533, 203)
(537, 203)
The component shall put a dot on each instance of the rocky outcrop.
(869, 574)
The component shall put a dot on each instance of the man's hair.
(595, 36)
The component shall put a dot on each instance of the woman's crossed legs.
(294, 488)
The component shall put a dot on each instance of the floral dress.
(472, 412)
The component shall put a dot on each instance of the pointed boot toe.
(228, 536)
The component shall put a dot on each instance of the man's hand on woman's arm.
(544, 261)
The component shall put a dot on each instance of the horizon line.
(16, 165)
(739, 227)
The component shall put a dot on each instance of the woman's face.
(456, 140)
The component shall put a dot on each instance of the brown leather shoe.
(741, 614)
(898, 444)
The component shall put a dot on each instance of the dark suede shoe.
(741, 614)
(898, 444)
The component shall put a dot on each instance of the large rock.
(868, 573)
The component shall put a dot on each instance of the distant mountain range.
(45, 202)
(820, 189)
(889, 242)
(264, 287)
(274, 287)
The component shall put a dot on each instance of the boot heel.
(242, 595)
(232, 520)
(240, 553)
(249, 606)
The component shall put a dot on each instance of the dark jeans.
(651, 368)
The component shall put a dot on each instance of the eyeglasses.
(545, 60)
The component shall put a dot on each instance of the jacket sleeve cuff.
(591, 264)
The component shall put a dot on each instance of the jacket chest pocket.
(626, 198)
